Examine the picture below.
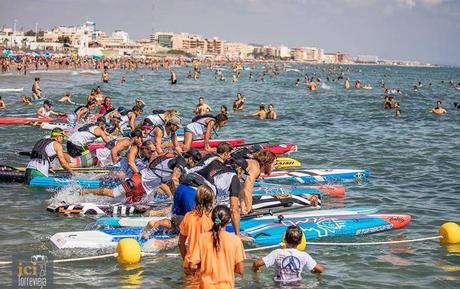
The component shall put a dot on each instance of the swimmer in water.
(105, 76)
(173, 77)
(25, 99)
(271, 113)
(346, 84)
(261, 114)
(312, 86)
(142, 78)
(202, 107)
(66, 99)
(438, 109)
(297, 82)
(397, 110)
(358, 84)
(36, 90)
(123, 79)
(224, 110)
(239, 102)
(2, 103)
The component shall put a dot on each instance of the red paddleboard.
(196, 144)
(280, 149)
(330, 190)
(215, 142)
(26, 120)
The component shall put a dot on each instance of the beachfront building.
(306, 54)
(285, 52)
(120, 36)
(237, 50)
(329, 58)
(164, 39)
(371, 59)
(197, 45)
(17, 40)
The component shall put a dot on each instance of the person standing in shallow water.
(173, 77)
(218, 254)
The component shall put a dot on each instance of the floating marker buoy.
(129, 251)
(303, 243)
(450, 233)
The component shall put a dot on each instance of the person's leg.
(188, 138)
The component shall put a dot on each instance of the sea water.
(414, 161)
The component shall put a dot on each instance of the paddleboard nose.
(398, 221)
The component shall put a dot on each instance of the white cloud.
(412, 3)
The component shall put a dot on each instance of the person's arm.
(239, 268)
(158, 136)
(131, 157)
(99, 132)
(132, 121)
(235, 214)
(275, 115)
(181, 244)
(176, 144)
(246, 192)
(257, 264)
(317, 269)
(120, 146)
(60, 155)
(208, 134)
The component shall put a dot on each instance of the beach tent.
(7, 53)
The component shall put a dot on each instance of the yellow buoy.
(450, 233)
(129, 251)
(303, 243)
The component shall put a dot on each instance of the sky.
(422, 30)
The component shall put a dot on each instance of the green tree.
(64, 39)
(29, 33)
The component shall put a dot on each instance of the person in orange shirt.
(195, 223)
(218, 254)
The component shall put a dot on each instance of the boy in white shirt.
(289, 262)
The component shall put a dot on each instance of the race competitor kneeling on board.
(128, 121)
(253, 165)
(78, 142)
(164, 135)
(202, 127)
(160, 177)
(160, 117)
(137, 159)
(81, 113)
(223, 180)
(43, 153)
(289, 262)
(113, 150)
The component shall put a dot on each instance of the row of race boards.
(298, 176)
(265, 230)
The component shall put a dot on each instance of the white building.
(120, 35)
(285, 52)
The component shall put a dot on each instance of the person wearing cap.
(43, 153)
(78, 142)
(165, 135)
(45, 111)
(161, 176)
